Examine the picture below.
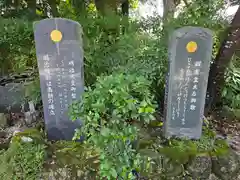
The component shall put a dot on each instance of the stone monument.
(190, 52)
(60, 62)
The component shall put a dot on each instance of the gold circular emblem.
(191, 47)
(56, 36)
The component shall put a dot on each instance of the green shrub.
(17, 50)
(132, 51)
(22, 160)
(109, 112)
(33, 91)
(231, 91)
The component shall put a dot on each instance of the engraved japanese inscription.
(190, 50)
(60, 61)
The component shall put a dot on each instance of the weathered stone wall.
(201, 168)
(69, 161)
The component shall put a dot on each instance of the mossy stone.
(200, 167)
(226, 167)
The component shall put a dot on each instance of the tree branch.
(186, 3)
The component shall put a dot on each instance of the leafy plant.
(23, 160)
(231, 91)
(17, 45)
(110, 112)
(33, 92)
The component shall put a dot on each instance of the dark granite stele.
(60, 64)
(186, 81)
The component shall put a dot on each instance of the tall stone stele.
(190, 52)
(60, 62)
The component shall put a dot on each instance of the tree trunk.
(99, 5)
(32, 5)
(105, 6)
(79, 7)
(125, 8)
(125, 13)
(218, 67)
(169, 7)
(54, 10)
(108, 9)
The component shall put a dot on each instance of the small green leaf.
(141, 110)
(149, 110)
(105, 132)
(114, 173)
